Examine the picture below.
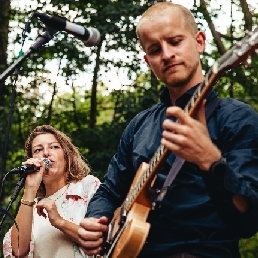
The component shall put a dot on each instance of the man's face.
(173, 53)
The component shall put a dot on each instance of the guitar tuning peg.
(247, 62)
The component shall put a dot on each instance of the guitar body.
(136, 230)
(134, 235)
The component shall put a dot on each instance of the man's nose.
(167, 52)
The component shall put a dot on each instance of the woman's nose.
(45, 152)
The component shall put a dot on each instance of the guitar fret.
(155, 158)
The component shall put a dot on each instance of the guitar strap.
(178, 163)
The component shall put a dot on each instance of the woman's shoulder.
(88, 183)
(90, 180)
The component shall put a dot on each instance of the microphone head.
(47, 163)
(94, 38)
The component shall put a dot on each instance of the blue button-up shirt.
(197, 214)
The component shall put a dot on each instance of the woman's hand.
(49, 206)
(34, 179)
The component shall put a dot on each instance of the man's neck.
(177, 91)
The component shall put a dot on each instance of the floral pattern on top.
(74, 206)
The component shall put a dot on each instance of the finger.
(91, 236)
(201, 113)
(47, 205)
(179, 113)
(32, 161)
(93, 224)
(40, 212)
(175, 128)
(43, 167)
(171, 146)
(91, 252)
(103, 220)
(175, 138)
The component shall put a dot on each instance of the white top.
(56, 244)
(46, 240)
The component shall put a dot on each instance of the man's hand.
(91, 234)
(190, 138)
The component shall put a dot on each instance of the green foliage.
(249, 247)
(69, 111)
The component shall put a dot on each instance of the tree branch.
(247, 15)
(215, 34)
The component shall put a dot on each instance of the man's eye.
(175, 42)
(37, 150)
(154, 51)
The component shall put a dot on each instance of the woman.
(49, 228)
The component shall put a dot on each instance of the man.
(213, 201)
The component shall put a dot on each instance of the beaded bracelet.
(27, 202)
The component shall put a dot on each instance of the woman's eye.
(55, 147)
(37, 150)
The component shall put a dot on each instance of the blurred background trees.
(92, 93)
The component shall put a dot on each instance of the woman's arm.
(21, 240)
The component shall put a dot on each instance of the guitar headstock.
(240, 52)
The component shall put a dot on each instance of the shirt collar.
(183, 100)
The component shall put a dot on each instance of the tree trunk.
(93, 102)
(76, 119)
(50, 107)
(4, 24)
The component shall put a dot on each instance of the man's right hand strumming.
(91, 234)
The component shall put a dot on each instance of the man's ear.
(200, 40)
(146, 59)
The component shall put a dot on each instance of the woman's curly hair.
(76, 166)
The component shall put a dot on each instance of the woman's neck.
(54, 187)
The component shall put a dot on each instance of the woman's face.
(47, 146)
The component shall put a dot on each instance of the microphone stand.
(41, 40)
(17, 189)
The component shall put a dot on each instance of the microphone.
(28, 169)
(90, 36)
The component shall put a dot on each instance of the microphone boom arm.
(40, 41)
